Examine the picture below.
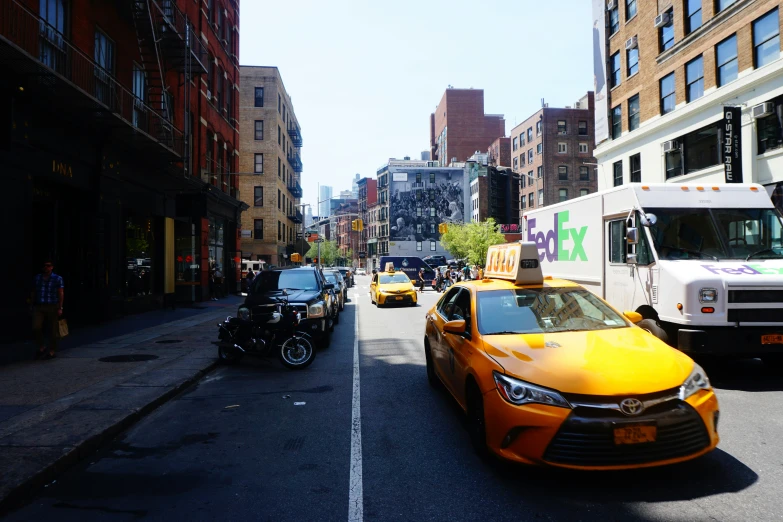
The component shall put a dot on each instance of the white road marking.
(355, 493)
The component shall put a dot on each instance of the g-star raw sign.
(550, 244)
(732, 144)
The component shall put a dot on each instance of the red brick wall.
(468, 128)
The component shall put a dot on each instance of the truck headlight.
(315, 310)
(696, 381)
(708, 295)
(243, 313)
(521, 392)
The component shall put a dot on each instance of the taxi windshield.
(543, 310)
(393, 278)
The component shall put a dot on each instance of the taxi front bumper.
(583, 438)
(395, 298)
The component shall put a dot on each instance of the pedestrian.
(474, 272)
(47, 300)
(465, 273)
(219, 289)
(421, 279)
(481, 272)
(212, 282)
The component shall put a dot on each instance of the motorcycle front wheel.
(297, 353)
(228, 355)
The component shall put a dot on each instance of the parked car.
(434, 261)
(340, 289)
(347, 273)
(361, 271)
(308, 292)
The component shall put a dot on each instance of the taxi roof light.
(517, 262)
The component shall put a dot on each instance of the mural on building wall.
(419, 202)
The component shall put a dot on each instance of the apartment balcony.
(67, 81)
(179, 43)
(295, 189)
(296, 217)
(296, 161)
(296, 135)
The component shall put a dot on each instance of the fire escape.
(293, 157)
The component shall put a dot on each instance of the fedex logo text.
(551, 243)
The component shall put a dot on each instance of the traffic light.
(315, 260)
(296, 258)
(443, 228)
(359, 225)
(355, 224)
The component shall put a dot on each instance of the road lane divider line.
(355, 492)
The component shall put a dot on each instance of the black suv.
(308, 293)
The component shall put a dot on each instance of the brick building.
(552, 151)
(109, 150)
(367, 189)
(671, 68)
(496, 196)
(271, 167)
(459, 127)
(347, 239)
(499, 152)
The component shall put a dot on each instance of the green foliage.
(472, 240)
(329, 252)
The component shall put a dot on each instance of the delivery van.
(703, 264)
(410, 265)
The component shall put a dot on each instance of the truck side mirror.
(632, 236)
(648, 220)
(630, 259)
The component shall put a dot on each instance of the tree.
(329, 252)
(472, 240)
(455, 240)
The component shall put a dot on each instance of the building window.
(614, 20)
(530, 156)
(633, 113)
(614, 67)
(692, 15)
(617, 122)
(583, 192)
(258, 196)
(530, 134)
(418, 211)
(540, 171)
(563, 194)
(279, 231)
(617, 169)
(279, 136)
(667, 94)
(694, 77)
(539, 148)
(538, 128)
(258, 229)
(770, 133)
(433, 246)
(418, 246)
(583, 148)
(521, 139)
(259, 130)
(279, 199)
(698, 150)
(562, 173)
(522, 159)
(630, 9)
(584, 173)
(582, 127)
(432, 228)
(766, 39)
(523, 203)
(259, 99)
(540, 197)
(514, 143)
(562, 147)
(666, 33)
(279, 104)
(720, 5)
(726, 60)
(636, 168)
(562, 127)
(432, 177)
(258, 164)
(516, 163)
(104, 57)
(432, 211)
(632, 57)
(530, 200)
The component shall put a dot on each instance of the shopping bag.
(63, 327)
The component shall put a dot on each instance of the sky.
(364, 76)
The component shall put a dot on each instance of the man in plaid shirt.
(47, 299)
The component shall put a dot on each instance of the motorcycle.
(263, 334)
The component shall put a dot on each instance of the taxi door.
(373, 288)
(459, 349)
(436, 321)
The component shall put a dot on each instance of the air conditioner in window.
(763, 109)
(611, 4)
(671, 146)
(631, 43)
(661, 20)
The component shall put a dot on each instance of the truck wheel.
(652, 326)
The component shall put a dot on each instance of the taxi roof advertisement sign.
(516, 262)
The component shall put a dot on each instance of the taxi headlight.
(243, 313)
(520, 392)
(708, 295)
(696, 381)
(315, 310)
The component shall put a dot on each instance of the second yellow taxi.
(550, 374)
(392, 287)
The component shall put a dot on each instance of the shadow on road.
(743, 375)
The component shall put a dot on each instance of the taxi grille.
(587, 440)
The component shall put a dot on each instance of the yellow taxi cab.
(392, 287)
(550, 374)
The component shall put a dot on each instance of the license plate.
(399, 298)
(772, 339)
(635, 434)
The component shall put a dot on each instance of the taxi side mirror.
(455, 327)
(634, 317)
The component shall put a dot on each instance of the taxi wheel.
(476, 425)
(651, 325)
(432, 377)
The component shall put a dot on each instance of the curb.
(25, 491)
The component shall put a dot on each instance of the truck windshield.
(722, 233)
(543, 310)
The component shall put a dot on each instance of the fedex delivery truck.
(703, 264)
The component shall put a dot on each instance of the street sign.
(298, 235)
(318, 241)
(312, 236)
(362, 255)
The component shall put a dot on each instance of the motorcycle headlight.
(243, 313)
(315, 310)
(520, 392)
(696, 381)
(708, 295)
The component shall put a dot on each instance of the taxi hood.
(604, 362)
(395, 287)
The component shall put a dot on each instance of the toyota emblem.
(631, 406)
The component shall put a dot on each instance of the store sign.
(732, 144)
(247, 234)
(511, 228)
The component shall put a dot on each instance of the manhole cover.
(169, 341)
(136, 357)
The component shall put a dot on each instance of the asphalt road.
(239, 445)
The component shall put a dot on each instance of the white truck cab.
(703, 264)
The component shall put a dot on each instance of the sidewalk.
(55, 412)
